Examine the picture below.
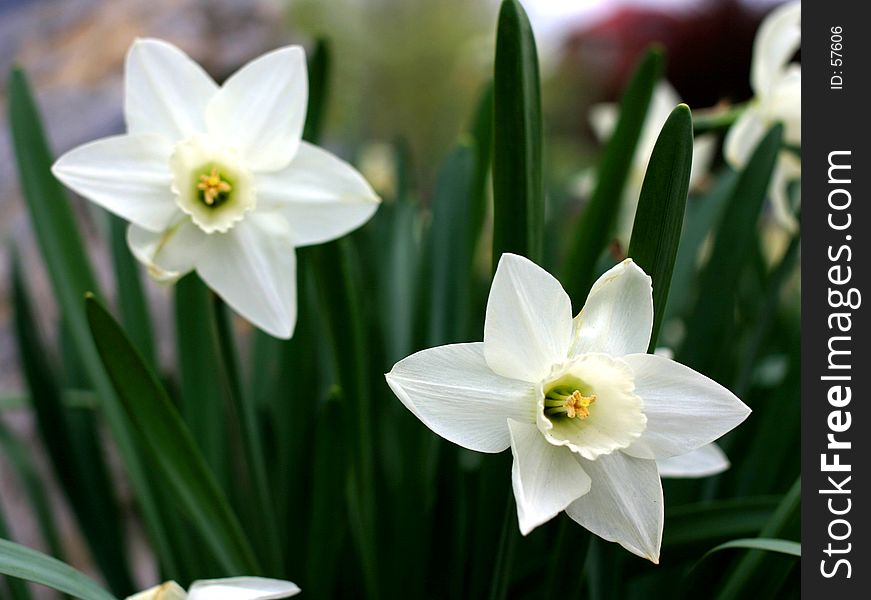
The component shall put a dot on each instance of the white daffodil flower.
(776, 83)
(586, 412)
(230, 588)
(603, 119)
(218, 179)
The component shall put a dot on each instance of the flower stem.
(244, 413)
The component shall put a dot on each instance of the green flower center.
(213, 187)
(569, 398)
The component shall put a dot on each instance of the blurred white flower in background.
(603, 119)
(231, 588)
(586, 412)
(776, 83)
(218, 179)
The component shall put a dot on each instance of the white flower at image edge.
(776, 83)
(586, 412)
(231, 588)
(218, 179)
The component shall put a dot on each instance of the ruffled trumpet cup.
(217, 179)
(586, 412)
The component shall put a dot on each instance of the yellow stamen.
(577, 405)
(212, 185)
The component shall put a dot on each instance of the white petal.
(704, 151)
(165, 92)
(253, 268)
(453, 391)
(528, 326)
(603, 120)
(701, 462)
(260, 109)
(776, 42)
(743, 137)
(127, 175)
(618, 315)
(170, 254)
(169, 590)
(783, 105)
(242, 588)
(685, 409)
(546, 478)
(787, 170)
(662, 102)
(624, 504)
(321, 196)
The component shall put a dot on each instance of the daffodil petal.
(685, 409)
(169, 590)
(253, 268)
(603, 120)
(618, 316)
(545, 478)
(453, 391)
(167, 255)
(777, 40)
(783, 105)
(242, 588)
(528, 325)
(321, 196)
(260, 110)
(165, 92)
(127, 175)
(787, 170)
(704, 151)
(743, 137)
(624, 504)
(701, 462)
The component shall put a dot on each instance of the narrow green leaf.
(71, 277)
(170, 442)
(201, 398)
(481, 130)
(710, 323)
(518, 192)
(70, 437)
(17, 587)
(700, 524)
(30, 565)
(318, 90)
(128, 286)
(244, 415)
(755, 565)
(20, 458)
(767, 544)
(337, 277)
(599, 217)
(658, 220)
(452, 213)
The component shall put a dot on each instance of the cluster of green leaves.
(292, 459)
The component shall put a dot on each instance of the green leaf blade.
(24, 563)
(656, 232)
(518, 192)
(166, 436)
(597, 222)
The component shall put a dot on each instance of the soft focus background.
(406, 72)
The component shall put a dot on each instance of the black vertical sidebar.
(836, 419)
